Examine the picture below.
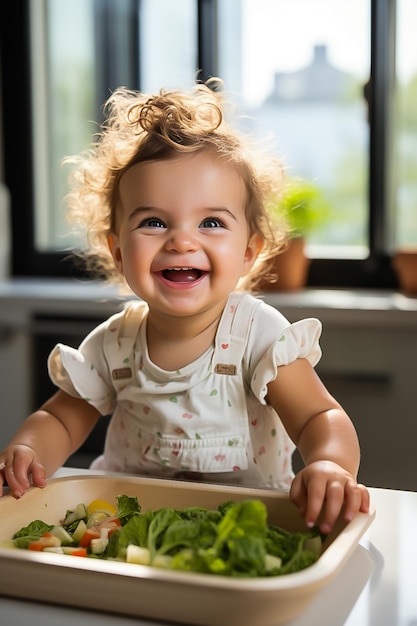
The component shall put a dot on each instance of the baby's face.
(183, 240)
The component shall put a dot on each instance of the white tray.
(136, 590)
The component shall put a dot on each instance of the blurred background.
(332, 84)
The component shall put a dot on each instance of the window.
(301, 78)
(64, 96)
(404, 161)
(80, 50)
(292, 72)
(173, 64)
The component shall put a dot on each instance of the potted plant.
(302, 208)
(404, 262)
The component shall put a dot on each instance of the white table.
(376, 587)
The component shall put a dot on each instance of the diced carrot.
(90, 533)
(37, 546)
(79, 552)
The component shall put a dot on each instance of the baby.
(203, 380)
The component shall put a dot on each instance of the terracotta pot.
(404, 263)
(291, 267)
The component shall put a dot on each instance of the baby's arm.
(44, 441)
(328, 444)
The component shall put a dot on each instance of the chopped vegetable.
(74, 551)
(234, 540)
(79, 531)
(30, 533)
(47, 540)
(88, 536)
(63, 535)
(101, 506)
(80, 512)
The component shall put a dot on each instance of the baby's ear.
(252, 251)
(114, 247)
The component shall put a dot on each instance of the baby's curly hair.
(141, 127)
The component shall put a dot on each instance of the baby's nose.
(181, 241)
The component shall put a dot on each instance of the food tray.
(141, 591)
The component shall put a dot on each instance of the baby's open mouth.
(182, 274)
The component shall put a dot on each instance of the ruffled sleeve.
(73, 373)
(296, 341)
(84, 372)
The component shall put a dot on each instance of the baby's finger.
(298, 494)
(332, 506)
(2, 466)
(356, 499)
(316, 494)
(16, 486)
(20, 470)
(38, 475)
(365, 499)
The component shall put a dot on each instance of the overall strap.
(119, 342)
(233, 333)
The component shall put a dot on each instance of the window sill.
(22, 298)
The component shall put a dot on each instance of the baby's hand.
(17, 464)
(325, 487)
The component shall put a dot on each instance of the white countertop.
(376, 587)
(22, 297)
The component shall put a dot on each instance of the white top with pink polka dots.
(209, 419)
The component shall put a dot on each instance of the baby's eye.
(152, 222)
(211, 222)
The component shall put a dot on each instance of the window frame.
(375, 271)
